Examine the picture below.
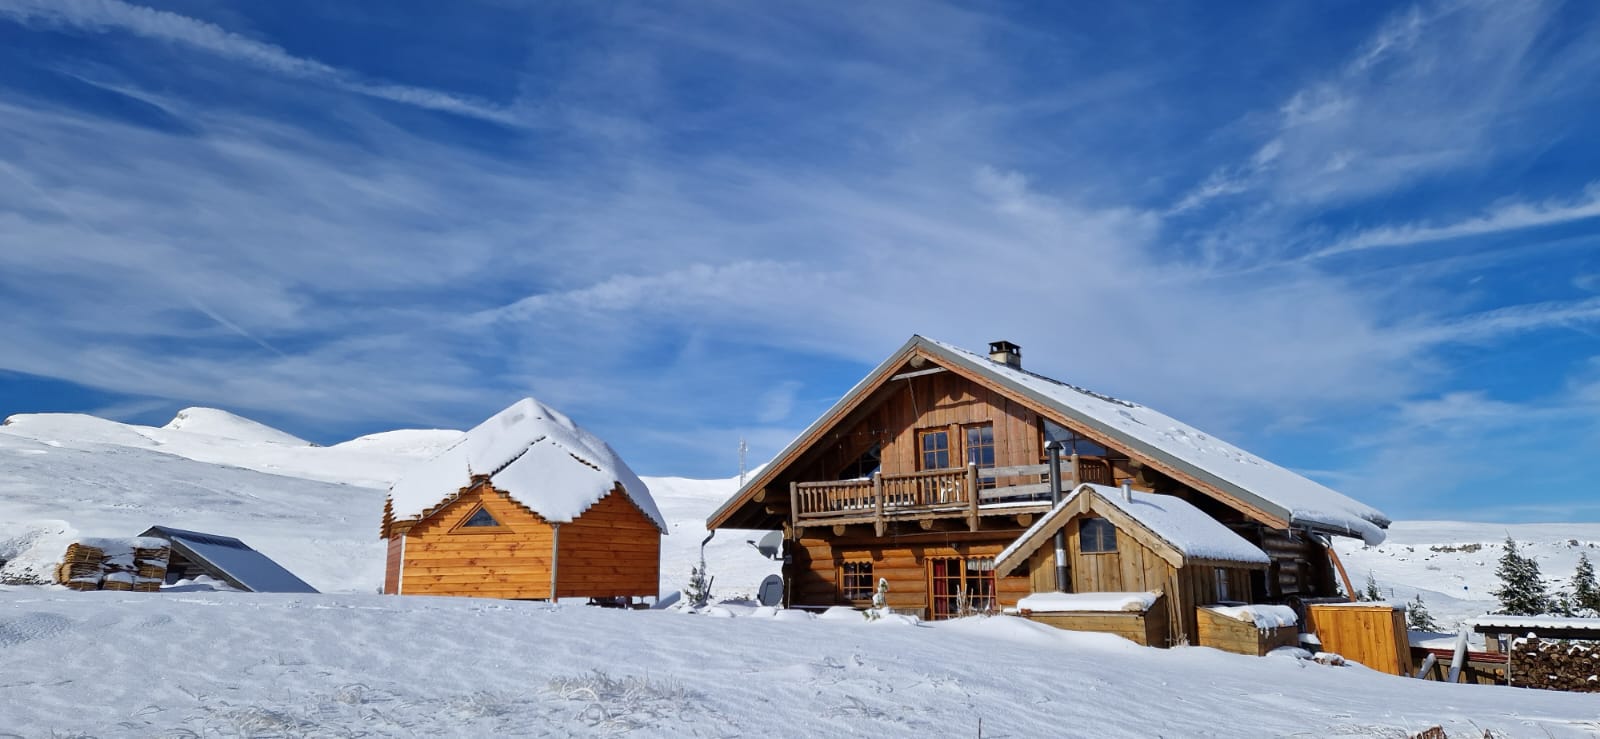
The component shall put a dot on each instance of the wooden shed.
(527, 505)
(1125, 541)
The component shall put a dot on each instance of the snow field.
(286, 665)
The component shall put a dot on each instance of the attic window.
(1096, 536)
(480, 518)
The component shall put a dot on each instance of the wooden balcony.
(928, 495)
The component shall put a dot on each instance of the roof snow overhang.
(1008, 382)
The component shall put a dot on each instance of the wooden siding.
(1146, 629)
(391, 568)
(904, 563)
(613, 549)
(610, 554)
(1373, 635)
(1241, 637)
(941, 401)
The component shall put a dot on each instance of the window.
(1224, 586)
(961, 587)
(980, 449)
(479, 518)
(935, 446)
(855, 581)
(1071, 442)
(865, 465)
(1096, 536)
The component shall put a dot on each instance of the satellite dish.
(771, 545)
(771, 591)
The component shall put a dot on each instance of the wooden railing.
(886, 493)
(951, 489)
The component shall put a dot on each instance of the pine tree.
(1371, 592)
(1522, 590)
(698, 594)
(1417, 616)
(1585, 593)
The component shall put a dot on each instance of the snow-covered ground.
(238, 664)
(351, 661)
(1452, 564)
(315, 510)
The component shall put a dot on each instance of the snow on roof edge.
(1358, 519)
(536, 455)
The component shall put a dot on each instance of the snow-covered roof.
(1263, 616)
(232, 560)
(1186, 529)
(1137, 602)
(1232, 470)
(532, 453)
(1515, 623)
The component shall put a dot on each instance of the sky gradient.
(1362, 240)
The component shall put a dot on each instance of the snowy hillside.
(315, 510)
(1452, 564)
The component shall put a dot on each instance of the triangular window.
(480, 518)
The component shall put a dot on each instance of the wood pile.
(1554, 664)
(133, 565)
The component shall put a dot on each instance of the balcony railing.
(932, 493)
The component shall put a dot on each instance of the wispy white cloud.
(103, 16)
(1502, 217)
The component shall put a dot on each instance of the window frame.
(923, 451)
(985, 582)
(1104, 530)
(461, 527)
(984, 483)
(849, 582)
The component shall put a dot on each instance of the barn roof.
(1250, 482)
(230, 560)
(532, 453)
(1176, 525)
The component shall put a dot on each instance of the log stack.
(1554, 664)
(138, 564)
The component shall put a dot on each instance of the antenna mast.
(742, 449)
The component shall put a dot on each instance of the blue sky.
(1360, 239)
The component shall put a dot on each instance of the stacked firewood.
(1556, 665)
(138, 564)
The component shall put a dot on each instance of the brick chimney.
(1006, 353)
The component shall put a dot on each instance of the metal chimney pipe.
(1053, 448)
(1127, 490)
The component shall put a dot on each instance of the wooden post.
(794, 507)
(1074, 470)
(877, 496)
(972, 496)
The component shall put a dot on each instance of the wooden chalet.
(527, 505)
(932, 465)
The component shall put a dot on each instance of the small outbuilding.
(526, 505)
(1158, 556)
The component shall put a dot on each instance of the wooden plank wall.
(905, 564)
(942, 400)
(613, 549)
(391, 567)
(1132, 568)
(511, 560)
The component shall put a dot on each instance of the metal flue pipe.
(1053, 448)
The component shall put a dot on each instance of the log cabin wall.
(611, 550)
(904, 563)
(511, 560)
